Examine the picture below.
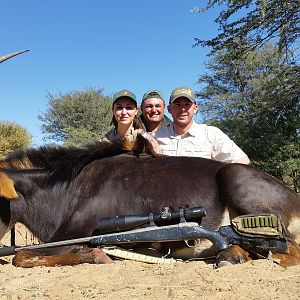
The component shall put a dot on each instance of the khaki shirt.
(200, 141)
(112, 135)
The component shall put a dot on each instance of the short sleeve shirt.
(200, 141)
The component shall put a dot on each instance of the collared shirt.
(111, 136)
(165, 122)
(200, 141)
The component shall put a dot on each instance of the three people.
(182, 137)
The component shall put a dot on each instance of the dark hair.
(136, 123)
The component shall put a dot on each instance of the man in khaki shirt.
(184, 137)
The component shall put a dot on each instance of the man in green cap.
(153, 108)
(184, 137)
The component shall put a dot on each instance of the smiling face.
(124, 111)
(153, 111)
(182, 111)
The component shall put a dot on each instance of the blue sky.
(110, 44)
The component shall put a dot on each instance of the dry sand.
(261, 279)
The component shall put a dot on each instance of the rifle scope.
(166, 217)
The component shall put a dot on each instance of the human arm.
(225, 149)
(244, 160)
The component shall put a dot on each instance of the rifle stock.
(169, 233)
(221, 239)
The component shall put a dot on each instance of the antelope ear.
(7, 189)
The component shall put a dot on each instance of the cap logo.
(183, 91)
(125, 93)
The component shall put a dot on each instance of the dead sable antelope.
(64, 191)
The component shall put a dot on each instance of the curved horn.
(8, 56)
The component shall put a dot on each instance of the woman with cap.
(125, 119)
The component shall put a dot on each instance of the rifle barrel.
(6, 251)
(169, 233)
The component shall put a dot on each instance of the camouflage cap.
(182, 92)
(124, 93)
(152, 94)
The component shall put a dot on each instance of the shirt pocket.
(193, 149)
(168, 149)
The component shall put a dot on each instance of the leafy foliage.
(12, 137)
(255, 99)
(257, 21)
(77, 117)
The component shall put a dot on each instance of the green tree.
(255, 99)
(258, 21)
(77, 117)
(12, 137)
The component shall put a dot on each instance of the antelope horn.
(8, 56)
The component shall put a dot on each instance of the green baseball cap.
(182, 92)
(124, 93)
(152, 94)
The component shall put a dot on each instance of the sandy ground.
(261, 279)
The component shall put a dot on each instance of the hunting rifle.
(256, 233)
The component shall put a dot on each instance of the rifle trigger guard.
(191, 243)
